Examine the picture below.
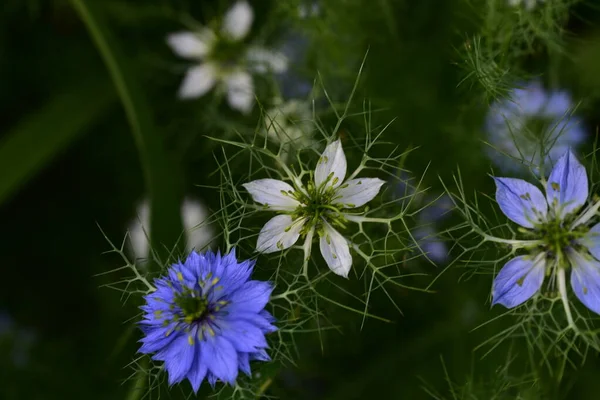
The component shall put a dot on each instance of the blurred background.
(92, 126)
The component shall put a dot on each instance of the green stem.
(162, 184)
(137, 389)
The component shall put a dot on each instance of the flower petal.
(198, 232)
(520, 201)
(518, 280)
(244, 336)
(592, 241)
(585, 280)
(139, 231)
(221, 358)
(335, 250)
(357, 192)
(567, 188)
(198, 370)
(252, 297)
(279, 233)
(331, 168)
(237, 21)
(273, 193)
(240, 91)
(191, 44)
(180, 357)
(198, 81)
(263, 60)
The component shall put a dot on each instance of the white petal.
(198, 81)
(240, 91)
(275, 194)
(195, 222)
(335, 251)
(357, 192)
(139, 231)
(191, 44)
(279, 233)
(238, 20)
(263, 60)
(331, 168)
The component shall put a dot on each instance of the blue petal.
(530, 99)
(157, 339)
(244, 363)
(585, 280)
(221, 358)
(252, 296)
(244, 336)
(518, 281)
(558, 105)
(435, 249)
(262, 320)
(179, 358)
(198, 369)
(520, 201)
(234, 274)
(260, 355)
(592, 241)
(567, 188)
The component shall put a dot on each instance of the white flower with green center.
(321, 206)
(224, 59)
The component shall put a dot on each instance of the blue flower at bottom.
(206, 319)
(564, 232)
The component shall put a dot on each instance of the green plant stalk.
(161, 177)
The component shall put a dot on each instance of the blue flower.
(434, 211)
(430, 217)
(518, 126)
(564, 237)
(206, 319)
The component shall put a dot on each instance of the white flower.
(319, 206)
(197, 233)
(290, 126)
(529, 4)
(224, 60)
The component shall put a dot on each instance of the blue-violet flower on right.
(564, 233)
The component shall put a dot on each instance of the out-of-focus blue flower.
(435, 210)
(531, 116)
(206, 319)
(432, 215)
(291, 83)
(20, 339)
(565, 239)
(6, 323)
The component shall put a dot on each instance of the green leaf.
(28, 147)
(162, 181)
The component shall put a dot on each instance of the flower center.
(194, 307)
(557, 237)
(228, 53)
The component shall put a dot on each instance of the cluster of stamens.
(191, 308)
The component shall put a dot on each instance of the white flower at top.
(321, 206)
(289, 125)
(224, 59)
(198, 235)
(529, 4)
